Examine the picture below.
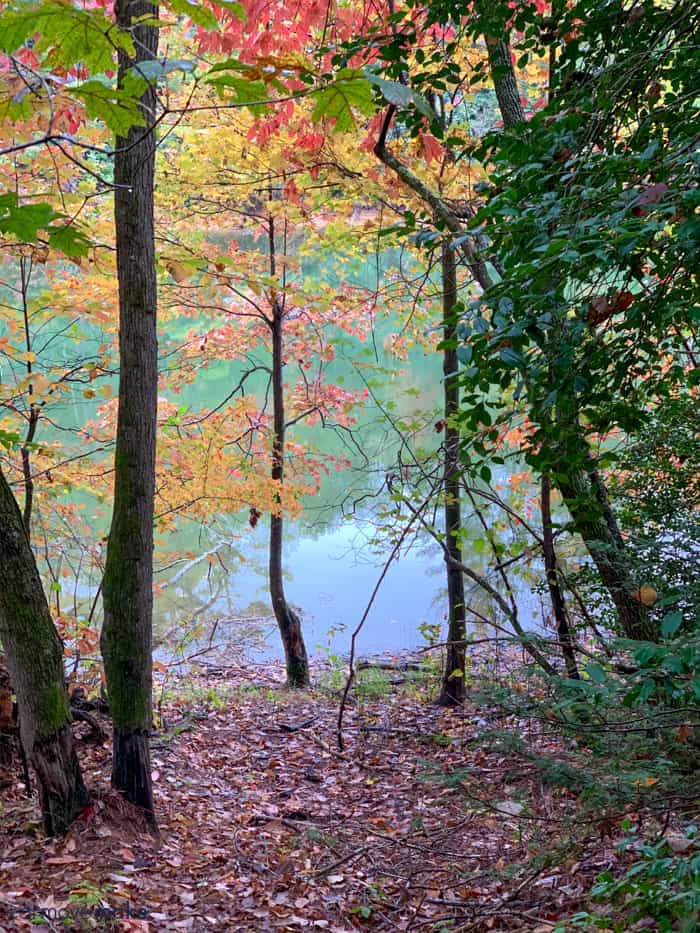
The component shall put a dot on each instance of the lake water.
(331, 577)
(335, 553)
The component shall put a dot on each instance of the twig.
(350, 857)
(351, 673)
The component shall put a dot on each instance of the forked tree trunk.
(452, 691)
(128, 578)
(288, 620)
(35, 660)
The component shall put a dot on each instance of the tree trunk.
(555, 594)
(586, 499)
(128, 578)
(452, 691)
(505, 82)
(35, 660)
(288, 621)
(25, 269)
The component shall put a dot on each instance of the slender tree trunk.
(25, 269)
(128, 578)
(35, 660)
(555, 594)
(288, 620)
(452, 692)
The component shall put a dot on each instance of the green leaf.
(24, 221)
(336, 101)
(204, 16)
(671, 623)
(17, 107)
(252, 93)
(8, 439)
(400, 95)
(116, 107)
(69, 240)
(200, 15)
(73, 35)
(464, 354)
(596, 673)
(511, 356)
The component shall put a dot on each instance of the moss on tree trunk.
(35, 660)
(586, 499)
(128, 579)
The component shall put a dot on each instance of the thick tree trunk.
(583, 494)
(288, 621)
(452, 691)
(555, 594)
(35, 660)
(505, 82)
(586, 499)
(128, 578)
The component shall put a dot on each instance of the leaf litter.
(418, 825)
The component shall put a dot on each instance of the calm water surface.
(332, 562)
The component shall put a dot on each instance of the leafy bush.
(660, 892)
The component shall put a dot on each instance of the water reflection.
(330, 578)
(218, 596)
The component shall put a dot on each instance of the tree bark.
(35, 660)
(288, 620)
(586, 499)
(128, 578)
(452, 691)
(505, 82)
(555, 594)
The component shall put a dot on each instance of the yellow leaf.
(178, 270)
(646, 782)
(646, 595)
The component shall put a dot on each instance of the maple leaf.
(71, 34)
(336, 101)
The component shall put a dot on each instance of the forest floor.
(421, 823)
